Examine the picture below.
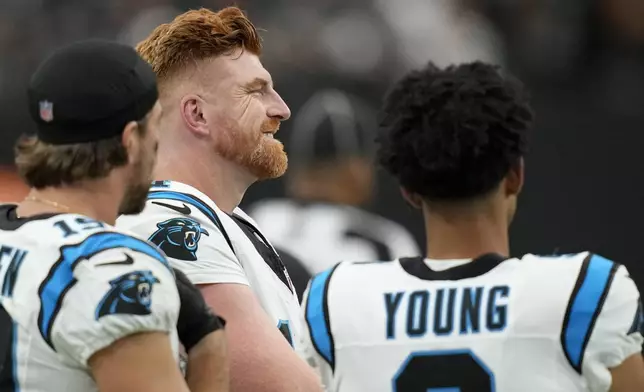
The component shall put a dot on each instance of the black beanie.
(89, 91)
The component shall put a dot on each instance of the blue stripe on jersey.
(585, 305)
(61, 278)
(14, 358)
(195, 202)
(317, 316)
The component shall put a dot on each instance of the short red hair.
(197, 35)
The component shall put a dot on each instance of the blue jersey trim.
(586, 302)
(317, 316)
(61, 277)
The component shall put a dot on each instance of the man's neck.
(465, 237)
(222, 181)
(91, 201)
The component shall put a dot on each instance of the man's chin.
(135, 200)
(269, 168)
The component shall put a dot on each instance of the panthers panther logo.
(179, 238)
(130, 293)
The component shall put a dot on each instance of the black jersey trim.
(10, 221)
(317, 316)
(272, 258)
(481, 265)
(586, 302)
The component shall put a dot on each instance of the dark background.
(582, 60)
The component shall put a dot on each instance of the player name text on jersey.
(447, 311)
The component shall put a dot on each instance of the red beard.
(262, 156)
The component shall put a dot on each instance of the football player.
(469, 317)
(87, 307)
(220, 116)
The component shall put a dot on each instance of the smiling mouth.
(190, 237)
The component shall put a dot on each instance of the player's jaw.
(257, 151)
(136, 191)
(136, 194)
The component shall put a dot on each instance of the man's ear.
(413, 199)
(192, 107)
(514, 179)
(131, 140)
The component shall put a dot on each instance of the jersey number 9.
(458, 370)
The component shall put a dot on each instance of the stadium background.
(583, 61)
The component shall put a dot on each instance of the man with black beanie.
(87, 307)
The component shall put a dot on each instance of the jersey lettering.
(444, 371)
(447, 311)
(71, 226)
(10, 259)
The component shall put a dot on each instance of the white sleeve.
(616, 331)
(92, 302)
(192, 244)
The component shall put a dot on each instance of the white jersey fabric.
(535, 324)
(212, 247)
(322, 234)
(72, 286)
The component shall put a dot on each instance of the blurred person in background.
(86, 307)
(330, 178)
(467, 316)
(221, 114)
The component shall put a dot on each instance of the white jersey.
(211, 247)
(535, 324)
(72, 286)
(321, 234)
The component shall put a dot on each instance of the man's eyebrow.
(257, 83)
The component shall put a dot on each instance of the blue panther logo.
(130, 293)
(178, 238)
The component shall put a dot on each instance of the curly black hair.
(452, 134)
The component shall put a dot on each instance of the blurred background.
(583, 61)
